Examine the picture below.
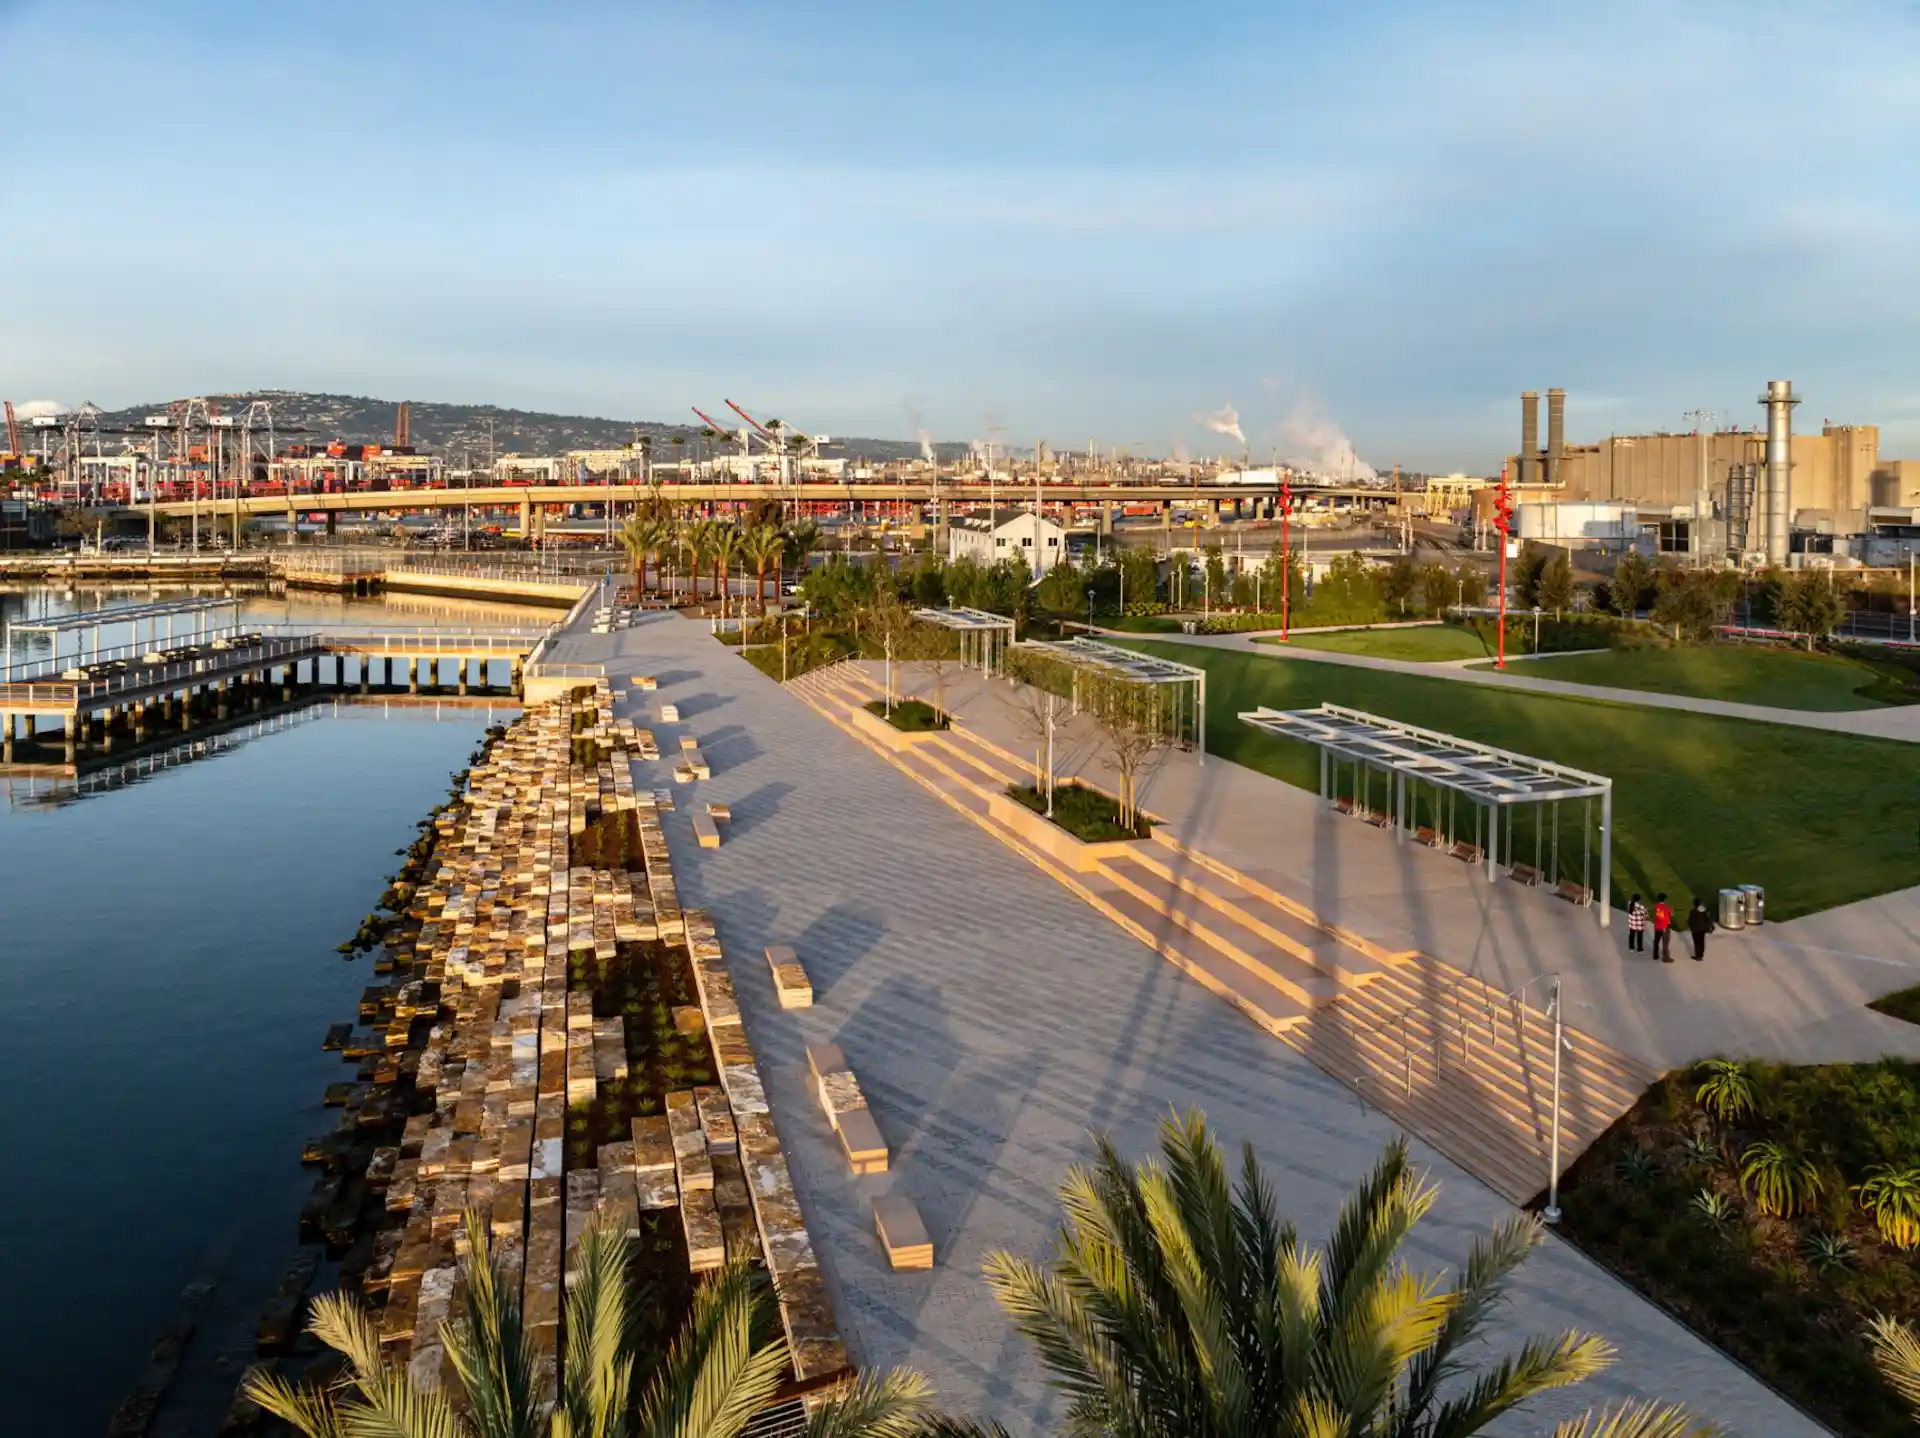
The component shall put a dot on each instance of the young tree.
(1437, 589)
(1135, 723)
(1034, 702)
(929, 585)
(1808, 605)
(1281, 569)
(1555, 588)
(1397, 584)
(1526, 576)
(801, 540)
(1215, 576)
(1470, 583)
(1139, 579)
(1689, 604)
(1632, 584)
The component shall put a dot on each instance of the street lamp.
(1502, 521)
(1089, 609)
(1286, 554)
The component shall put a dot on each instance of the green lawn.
(1429, 644)
(1699, 802)
(1780, 678)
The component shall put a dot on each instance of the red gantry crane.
(13, 432)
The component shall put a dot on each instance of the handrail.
(1402, 1016)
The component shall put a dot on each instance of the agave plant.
(1699, 1151)
(724, 1368)
(1180, 1303)
(1726, 1090)
(1715, 1207)
(1892, 1196)
(1636, 1166)
(1781, 1181)
(1828, 1252)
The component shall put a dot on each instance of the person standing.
(1699, 925)
(1662, 929)
(1636, 926)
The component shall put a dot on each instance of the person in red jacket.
(1662, 929)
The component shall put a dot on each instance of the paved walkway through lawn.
(993, 1019)
(1893, 722)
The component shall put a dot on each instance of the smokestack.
(1776, 506)
(1529, 437)
(1556, 432)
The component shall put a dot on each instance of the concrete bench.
(688, 743)
(823, 1059)
(1427, 836)
(1574, 893)
(669, 713)
(1524, 874)
(645, 682)
(697, 762)
(706, 831)
(790, 983)
(902, 1234)
(719, 813)
(683, 773)
(1466, 853)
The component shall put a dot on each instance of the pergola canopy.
(1109, 661)
(980, 632)
(1480, 771)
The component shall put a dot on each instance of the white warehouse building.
(1036, 540)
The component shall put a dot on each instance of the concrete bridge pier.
(366, 672)
(71, 738)
(517, 678)
(413, 676)
(6, 738)
(463, 676)
(140, 720)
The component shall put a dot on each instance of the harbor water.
(167, 956)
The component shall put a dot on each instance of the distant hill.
(449, 429)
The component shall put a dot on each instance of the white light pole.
(1552, 1212)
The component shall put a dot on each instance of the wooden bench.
(697, 762)
(860, 1140)
(1345, 806)
(706, 831)
(1427, 836)
(1379, 818)
(1524, 874)
(1574, 893)
(790, 983)
(683, 773)
(902, 1234)
(823, 1059)
(1466, 853)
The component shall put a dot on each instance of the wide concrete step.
(1243, 946)
(1273, 1007)
(1291, 929)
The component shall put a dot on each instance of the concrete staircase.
(1466, 1068)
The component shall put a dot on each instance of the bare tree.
(1136, 723)
(1034, 704)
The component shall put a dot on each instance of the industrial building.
(1037, 540)
(1741, 493)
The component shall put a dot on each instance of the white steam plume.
(1225, 420)
(1180, 455)
(918, 422)
(39, 409)
(1313, 441)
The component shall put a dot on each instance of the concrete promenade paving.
(994, 1019)
(1895, 722)
(1791, 991)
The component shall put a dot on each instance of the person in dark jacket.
(1699, 925)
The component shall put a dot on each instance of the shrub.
(1780, 1180)
(1828, 1252)
(1726, 1090)
(1892, 1196)
(1713, 1206)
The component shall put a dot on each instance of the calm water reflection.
(167, 960)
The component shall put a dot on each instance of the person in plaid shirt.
(1636, 926)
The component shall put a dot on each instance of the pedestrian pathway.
(1897, 722)
(994, 1017)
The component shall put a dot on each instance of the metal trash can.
(1733, 908)
(1756, 904)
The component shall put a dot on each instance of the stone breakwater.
(490, 1047)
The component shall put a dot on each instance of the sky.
(1063, 222)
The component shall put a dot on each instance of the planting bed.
(1085, 813)
(910, 716)
(1674, 1199)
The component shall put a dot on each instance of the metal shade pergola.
(979, 633)
(148, 626)
(1110, 661)
(1497, 782)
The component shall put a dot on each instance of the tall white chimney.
(1776, 506)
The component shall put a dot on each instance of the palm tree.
(723, 544)
(693, 540)
(1180, 1303)
(763, 546)
(801, 540)
(636, 537)
(726, 1366)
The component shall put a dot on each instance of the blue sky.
(1066, 220)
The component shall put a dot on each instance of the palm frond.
(1480, 1290)
(1540, 1365)
(714, 1379)
(1896, 1353)
(1637, 1420)
(488, 1346)
(598, 1371)
(307, 1409)
(894, 1404)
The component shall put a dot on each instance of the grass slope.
(1775, 677)
(1699, 802)
(1429, 644)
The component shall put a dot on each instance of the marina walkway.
(1894, 722)
(994, 1018)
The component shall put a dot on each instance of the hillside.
(450, 429)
